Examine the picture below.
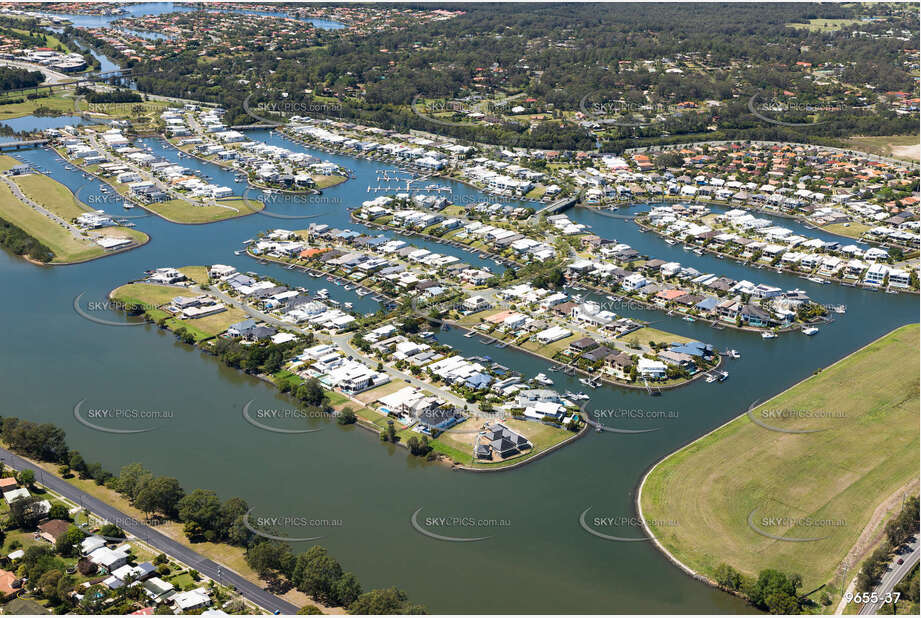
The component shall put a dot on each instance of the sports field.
(733, 486)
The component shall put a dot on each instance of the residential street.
(221, 574)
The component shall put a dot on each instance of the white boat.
(710, 378)
(361, 292)
(127, 205)
(817, 280)
(611, 298)
(733, 354)
(324, 293)
(769, 334)
(688, 318)
(238, 252)
(812, 330)
(469, 334)
(697, 252)
(347, 305)
(589, 382)
(543, 379)
(670, 241)
(722, 376)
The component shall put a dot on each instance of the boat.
(469, 334)
(248, 241)
(811, 330)
(697, 252)
(611, 298)
(839, 308)
(347, 287)
(238, 252)
(722, 376)
(710, 378)
(733, 354)
(324, 293)
(543, 379)
(362, 292)
(671, 241)
(769, 334)
(688, 318)
(590, 382)
(127, 205)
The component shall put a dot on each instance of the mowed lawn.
(151, 296)
(65, 246)
(181, 211)
(867, 451)
(52, 195)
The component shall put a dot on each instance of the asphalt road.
(252, 592)
(892, 577)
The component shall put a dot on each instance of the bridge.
(23, 144)
(558, 206)
(89, 78)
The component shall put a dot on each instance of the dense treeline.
(206, 518)
(114, 96)
(561, 54)
(12, 78)
(317, 574)
(20, 242)
(772, 591)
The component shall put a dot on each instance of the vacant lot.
(864, 414)
(181, 211)
(154, 296)
(898, 146)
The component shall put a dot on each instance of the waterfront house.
(619, 366)
(651, 369)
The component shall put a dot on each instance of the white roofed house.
(876, 274)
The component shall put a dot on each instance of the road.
(52, 78)
(77, 232)
(895, 573)
(180, 552)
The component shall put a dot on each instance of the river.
(540, 562)
(53, 359)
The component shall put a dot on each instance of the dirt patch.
(908, 152)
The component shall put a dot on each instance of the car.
(900, 560)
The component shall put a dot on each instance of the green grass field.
(866, 451)
(898, 146)
(17, 110)
(154, 296)
(57, 198)
(181, 211)
(824, 25)
(647, 334)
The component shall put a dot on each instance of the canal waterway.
(54, 359)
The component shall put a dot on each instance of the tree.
(58, 511)
(266, 557)
(385, 601)
(131, 479)
(346, 416)
(67, 543)
(38, 560)
(25, 513)
(112, 531)
(160, 495)
(26, 477)
(316, 574)
(348, 589)
(728, 577)
(202, 507)
(309, 610)
(775, 590)
(311, 393)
